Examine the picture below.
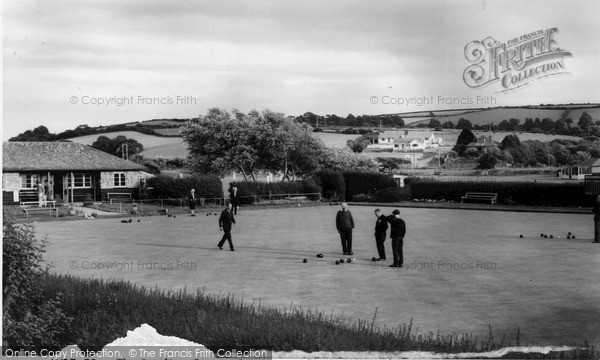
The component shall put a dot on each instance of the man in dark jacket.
(234, 197)
(596, 212)
(381, 227)
(225, 221)
(344, 224)
(397, 232)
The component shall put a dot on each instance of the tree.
(585, 122)
(464, 124)
(528, 124)
(560, 127)
(465, 138)
(219, 143)
(343, 159)
(505, 126)
(448, 125)
(117, 145)
(434, 123)
(519, 152)
(487, 161)
(561, 154)
(515, 123)
(40, 133)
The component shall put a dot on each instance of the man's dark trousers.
(379, 240)
(397, 243)
(346, 237)
(226, 236)
(596, 231)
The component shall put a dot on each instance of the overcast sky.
(327, 57)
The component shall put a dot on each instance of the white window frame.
(119, 180)
(34, 178)
(85, 180)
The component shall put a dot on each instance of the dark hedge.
(332, 184)
(366, 182)
(206, 186)
(509, 193)
(394, 194)
(248, 191)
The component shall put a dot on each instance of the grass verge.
(102, 310)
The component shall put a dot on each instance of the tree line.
(528, 153)
(585, 126)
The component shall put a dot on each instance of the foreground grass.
(104, 310)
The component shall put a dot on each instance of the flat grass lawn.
(464, 270)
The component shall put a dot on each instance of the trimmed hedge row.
(366, 182)
(249, 190)
(509, 193)
(332, 184)
(394, 194)
(206, 186)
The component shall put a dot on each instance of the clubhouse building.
(70, 172)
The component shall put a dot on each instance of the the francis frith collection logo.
(516, 62)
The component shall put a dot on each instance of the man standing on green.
(344, 224)
(381, 227)
(397, 232)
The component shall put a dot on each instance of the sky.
(68, 63)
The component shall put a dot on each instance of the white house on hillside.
(409, 144)
(405, 140)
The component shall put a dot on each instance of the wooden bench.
(30, 204)
(51, 210)
(480, 196)
(118, 196)
(34, 206)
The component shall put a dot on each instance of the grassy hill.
(496, 115)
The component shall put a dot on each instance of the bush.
(29, 319)
(332, 184)
(394, 194)
(206, 186)
(366, 182)
(517, 193)
(363, 198)
(152, 168)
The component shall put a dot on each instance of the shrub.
(332, 184)
(363, 198)
(366, 182)
(152, 168)
(206, 186)
(29, 319)
(394, 194)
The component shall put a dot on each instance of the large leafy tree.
(219, 143)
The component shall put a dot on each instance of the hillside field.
(496, 115)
